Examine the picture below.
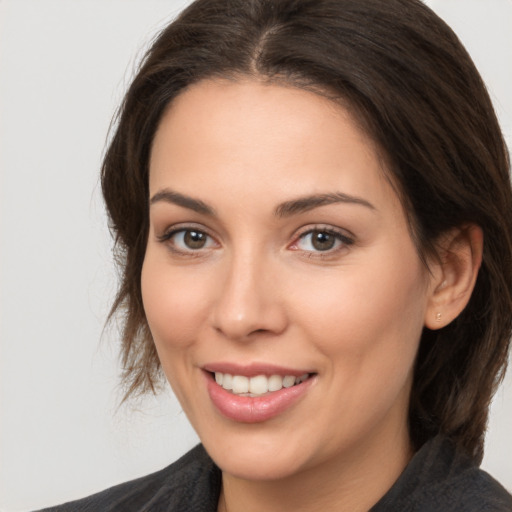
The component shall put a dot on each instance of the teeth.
(302, 378)
(240, 384)
(288, 381)
(258, 385)
(227, 381)
(275, 383)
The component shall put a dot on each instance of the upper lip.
(253, 369)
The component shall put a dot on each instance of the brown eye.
(322, 241)
(194, 239)
(188, 240)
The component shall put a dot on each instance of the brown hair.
(416, 91)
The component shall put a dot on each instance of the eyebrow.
(286, 209)
(306, 203)
(169, 196)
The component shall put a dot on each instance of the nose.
(249, 302)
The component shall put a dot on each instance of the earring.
(438, 317)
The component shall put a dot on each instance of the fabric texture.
(438, 479)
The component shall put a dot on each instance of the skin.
(260, 291)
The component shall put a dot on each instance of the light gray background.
(63, 68)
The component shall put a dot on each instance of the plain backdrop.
(64, 65)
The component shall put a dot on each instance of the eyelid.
(174, 229)
(345, 237)
(181, 226)
(342, 235)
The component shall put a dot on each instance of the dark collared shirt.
(438, 479)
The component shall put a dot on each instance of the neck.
(352, 482)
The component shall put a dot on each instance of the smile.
(257, 397)
(258, 385)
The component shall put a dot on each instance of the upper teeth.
(259, 385)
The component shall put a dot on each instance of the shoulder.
(440, 479)
(193, 481)
(472, 490)
(481, 492)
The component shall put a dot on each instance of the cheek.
(174, 302)
(367, 312)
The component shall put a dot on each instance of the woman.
(312, 203)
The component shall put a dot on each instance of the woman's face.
(279, 252)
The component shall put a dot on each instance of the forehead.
(254, 138)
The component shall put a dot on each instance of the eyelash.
(339, 236)
(344, 241)
(166, 238)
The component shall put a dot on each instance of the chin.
(258, 455)
(250, 465)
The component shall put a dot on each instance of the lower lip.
(245, 409)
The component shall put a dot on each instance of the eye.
(321, 240)
(187, 240)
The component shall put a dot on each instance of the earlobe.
(453, 274)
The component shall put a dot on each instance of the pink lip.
(246, 409)
(253, 369)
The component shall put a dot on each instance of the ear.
(453, 274)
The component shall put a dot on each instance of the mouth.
(258, 385)
(258, 393)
